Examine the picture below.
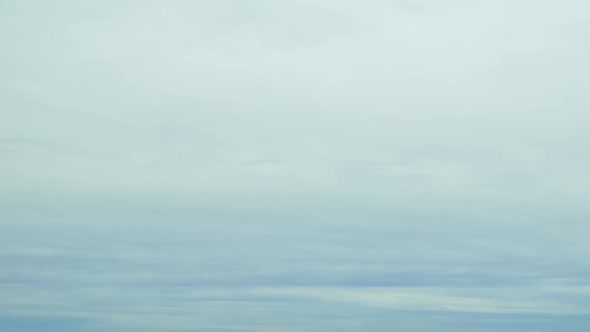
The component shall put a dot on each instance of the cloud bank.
(286, 166)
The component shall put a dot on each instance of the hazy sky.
(294, 166)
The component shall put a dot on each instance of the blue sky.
(294, 166)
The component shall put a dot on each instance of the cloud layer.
(291, 166)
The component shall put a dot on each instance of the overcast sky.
(294, 165)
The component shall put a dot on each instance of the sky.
(294, 166)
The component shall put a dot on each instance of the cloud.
(294, 165)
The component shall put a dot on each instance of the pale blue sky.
(294, 166)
